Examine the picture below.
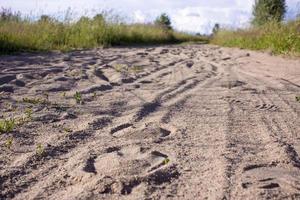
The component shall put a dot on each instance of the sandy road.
(174, 122)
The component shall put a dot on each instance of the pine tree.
(216, 28)
(268, 10)
(164, 21)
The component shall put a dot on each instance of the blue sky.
(186, 15)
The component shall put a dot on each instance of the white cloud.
(203, 19)
(139, 17)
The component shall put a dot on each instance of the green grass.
(78, 98)
(9, 142)
(39, 149)
(7, 125)
(17, 35)
(279, 38)
(28, 113)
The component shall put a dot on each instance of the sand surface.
(171, 122)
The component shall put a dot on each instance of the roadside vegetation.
(267, 31)
(21, 34)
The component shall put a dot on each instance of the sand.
(163, 122)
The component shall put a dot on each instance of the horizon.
(189, 16)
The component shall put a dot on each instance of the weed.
(9, 142)
(136, 69)
(39, 149)
(166, 161)
(78, 98)
(119, 68)
(32, 100)
(7, 125)
(28, 113)
(94, 95)
(298, 99)
(64, 94)
(21, 121)
(68, 130)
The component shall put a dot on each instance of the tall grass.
(17, 34)
(280, 38)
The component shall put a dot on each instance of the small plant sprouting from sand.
(121, 68)
(136, 69)
(39, 149)
(9, 142)
(11, 107)
(166, 161)
(7, 125)
(47, 33)
(67, 130)
(298, 99)
(36, 101)
(28, 113)
(32, 100)
(94, 95)
(64, 94)
(78, 98)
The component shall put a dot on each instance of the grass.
(298, 99)
(78, 98)
(39, 149)
(7, 125)
(17, 34)
(166, 161)
(35, 101)
(67, 130)
(28, 113)
(279, 38)
(9, 142)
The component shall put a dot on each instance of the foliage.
(164, 21)
(78, 98)
(39, 149)
(265, 11)
(7, 125)
(17, 34)
(33, 100)
(9, 142)
(28, 113)
(216, 28)
(279, 38)
(166, 161)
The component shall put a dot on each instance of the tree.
(268, 10)
(99, 17)
(164, 21)
(216, 28)
(46, 18)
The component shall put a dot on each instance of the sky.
(186, 15)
